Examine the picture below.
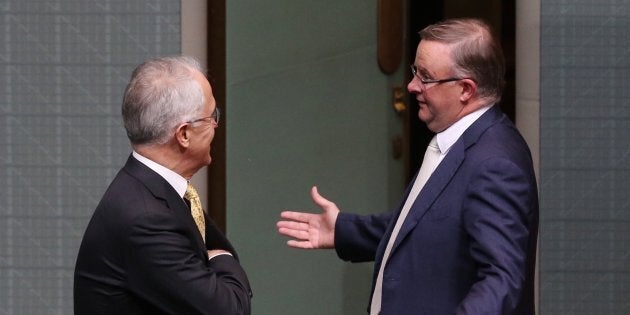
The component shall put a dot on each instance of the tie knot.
(191, 192)
(433, 145)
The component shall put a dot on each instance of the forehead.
(207, 91)
(432, 55)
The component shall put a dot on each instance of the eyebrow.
(423, 72)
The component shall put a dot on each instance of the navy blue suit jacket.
(468, 245)
(142, 254)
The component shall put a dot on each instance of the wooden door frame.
(217, 76)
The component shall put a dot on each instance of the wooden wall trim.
(217, 77)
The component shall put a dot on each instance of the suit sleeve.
(357, 236)
(498, 218)
(165, 269)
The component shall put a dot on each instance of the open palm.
(309, 230)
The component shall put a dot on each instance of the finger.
(293, 225)
(296, 216)
(296, 234)
(298, 244)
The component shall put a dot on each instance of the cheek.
(424, 110)
(212, 133)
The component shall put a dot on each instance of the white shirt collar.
(177, 181)
(448, 137)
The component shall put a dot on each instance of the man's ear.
(469, 88)
(182, 135)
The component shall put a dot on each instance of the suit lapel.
(162, 190)
(431, 190)
(445, 172)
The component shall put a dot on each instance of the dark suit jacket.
(468, 245)
(142, 254)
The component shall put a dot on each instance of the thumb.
(318, 199)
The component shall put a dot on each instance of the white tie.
(429, 164)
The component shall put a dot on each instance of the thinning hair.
(162, 93)
(475, 52)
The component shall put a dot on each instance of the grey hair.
(162, 93)
(475, 51)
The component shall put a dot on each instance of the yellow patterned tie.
(196, 210)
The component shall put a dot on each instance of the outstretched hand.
(309, 230)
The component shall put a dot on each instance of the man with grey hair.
(149, 247)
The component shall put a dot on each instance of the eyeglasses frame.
(215, 117)
(414, 71)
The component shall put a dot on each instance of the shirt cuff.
(210, 257)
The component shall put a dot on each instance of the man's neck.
(165, 156)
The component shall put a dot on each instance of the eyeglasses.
(414, 71)
(216, 115)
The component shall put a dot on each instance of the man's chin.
(422, 116)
